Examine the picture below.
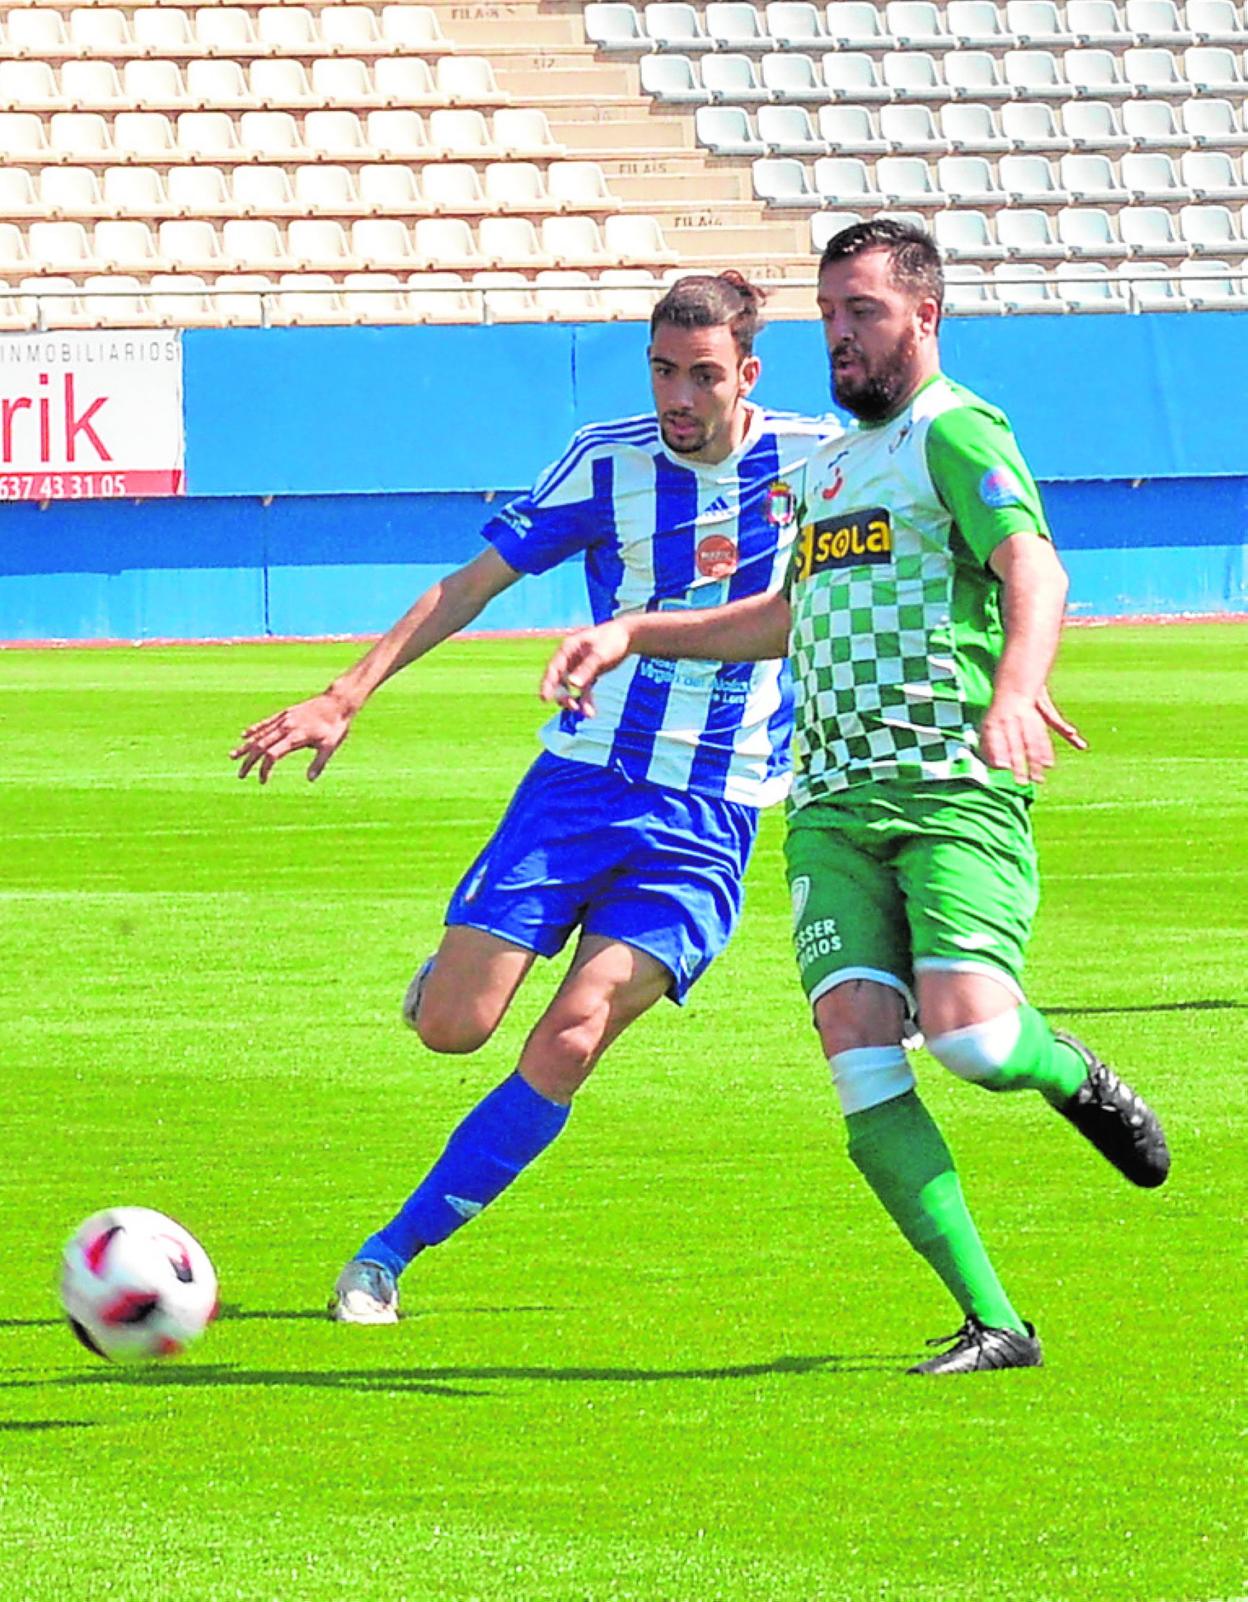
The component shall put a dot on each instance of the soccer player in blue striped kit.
(633, 827)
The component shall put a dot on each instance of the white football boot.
(411, 998)
(365, 1293)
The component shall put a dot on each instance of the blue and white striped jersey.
(657, 530)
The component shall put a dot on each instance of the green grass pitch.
(667, 1366)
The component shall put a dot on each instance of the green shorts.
(892, 877)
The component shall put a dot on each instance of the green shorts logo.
(801, 894)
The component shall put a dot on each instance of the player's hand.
(1058, 722)
(320, 724)
(580, 661)
(1015, 735)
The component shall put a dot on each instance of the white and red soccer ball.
(135, 1285)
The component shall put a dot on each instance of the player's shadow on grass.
(19, 1424)
(1151, 1006)
(458, 1381)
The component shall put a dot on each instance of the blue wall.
(333, 473)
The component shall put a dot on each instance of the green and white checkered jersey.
(897, 630)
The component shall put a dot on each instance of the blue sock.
(499, 1138)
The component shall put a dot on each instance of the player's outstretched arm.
(744, 631)
(321, 723)
(1015, 730)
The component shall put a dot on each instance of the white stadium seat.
(452, 186)
(325, 188)
(849, 130)
(614, 26)
(192, 189)
(87, 83)
(190, 246)
(964, 234)
(162, 30)
(1089, 286)
(784, 181)
(976, 128)
(851, 75)
(388, 186)
(734, 78)
(445, 242)
(796, 25)
(1024, 231)
(788, 131)
(412, 26)
(1094, 124)
(349, 27)
(1151, 231)
(1088, 231)
(260, 190)
(125, 243)
(316, 242)
(856, 23)
(150, 83)
(1090, 178)
(396, 133)
(846, 180)
(736, 26)
(516, 240)
(672, 77)
(68, 189)
(675, 24)
(727, 130)
(207, 135)
(375, 240)
(403, 80)
(516, 186)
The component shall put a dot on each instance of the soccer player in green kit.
(921, 619)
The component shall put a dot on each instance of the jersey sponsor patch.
(716, 556)
(999, 488)
(854, 539)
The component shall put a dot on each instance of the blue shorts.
(583, 846)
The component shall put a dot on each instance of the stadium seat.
(98, 29)
(568, 293)
(1212, 70)
(848, 130)
(784, 181)
(825, 225)
(573, 242)
(968, 291)
(916, 24)
(1150, 231)
(975, 75)
(1150, 176)
(79, 134)
(1090, 177)
(1096, 74)
(964, 235)
(1026, 233)
(23, 134)
(68, 190)
(83, 83)
(733, 79)
(670, 24)
(971, 128)
(338, 82)
(1094, 125)
(225, 30)
(1089, 286)
(125, 244)
(914, 75)
(59, 304)
(35, 31)
(907, 181)
(525, 131)
(1210, 285)
(441, 297)
(1036, 74)
(628, 292)
(1158, 21)
(1210, 175)
(396, 133)
(444, 242)
(288, 28)
(969, 179)
(59, 246)
(413, 27)
(469, 79)
(851, 75)
(615, 26)
(1211, 122)
(221, 85)
(149, 83)
(189, 245)
(508, 297)
(673, 78)
(242, 300)
(856, 23)
(796, 25)
(452, 186)
(1210, 230)
(254, 243)
(32, 85)
(1031, 125)
(1147, 288)
(273, 135)
(976, 25)
(193, 190)
(17, 190)
(636, 240)
(404, 81)
(256, 191)
(207, 135)
(789, 76)
(1024, 287)
(372, 297)
(375, 240)
(317, 243)
(1088, 231)
(348, 27)
(1030, 180)
(308, 298)
(180, 300)
(727, 130)
(736, 25)
(461, 133)
(143, 133)
(325, 188)
(334, 133)
(1154, 72)
(788, 130)
(515, 186)
(1096, 23)
(845, 179)
(388, 186)
(579, 186)
(1215, 22)
(12, 247)
(162, 30)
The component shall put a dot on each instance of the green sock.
(903, 1157)
(1037, 1061)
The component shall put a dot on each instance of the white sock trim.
(979, 1051)
(868, 1075)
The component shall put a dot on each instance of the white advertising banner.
(90, 415)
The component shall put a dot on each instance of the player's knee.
(453, 1029)
(978, 1051)
(867, 1076)
(857, 1014)
(562, 1050)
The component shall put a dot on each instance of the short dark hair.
(711, 300)
(914, 260)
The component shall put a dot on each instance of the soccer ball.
(135, 1285)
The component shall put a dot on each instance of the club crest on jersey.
(854, 539)
(781, 504)
(716, 556)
